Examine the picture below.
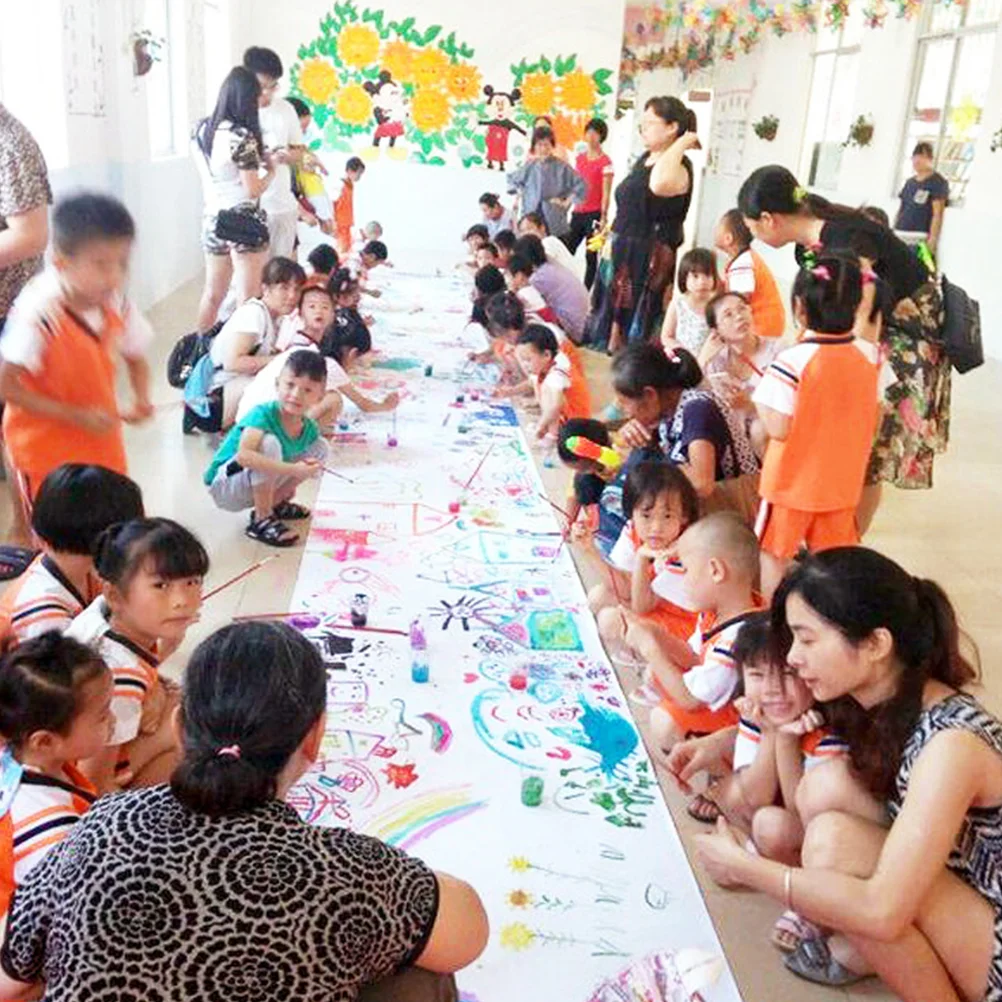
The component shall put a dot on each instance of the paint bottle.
(419, 641)
(519, 679)
(532, 791)
(429, 369)
(419, 667)
(359, 610)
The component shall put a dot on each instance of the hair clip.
(229, 751)
(822, 272)
(869, 276)
(799, 194)
(810, 259)
(585, 448)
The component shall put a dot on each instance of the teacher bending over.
(919, 895)
(213, 888)
(652, 202)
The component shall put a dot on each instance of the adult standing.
(923, 198)
(246, 899)
(916, 413)
(25, 196)
(283, 141)
(228, 150)
(652, 202)
(590, 214)
(547, 184)
(918, 901)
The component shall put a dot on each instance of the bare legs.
(218, 273)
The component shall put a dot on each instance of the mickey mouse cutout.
(502, 104)
(390, 109)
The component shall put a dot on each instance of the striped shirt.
(820, 745)
(41, 599)
(133, 668)
(715, 678)
(41, 814)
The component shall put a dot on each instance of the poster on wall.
(730, 128)
(385, 86)
(84, 58)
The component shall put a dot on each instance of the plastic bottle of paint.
(519, 679)
(359, 610)
(419, 666)
(419, 641)
(532, 791)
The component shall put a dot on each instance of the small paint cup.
(532, 791)
(519, 679)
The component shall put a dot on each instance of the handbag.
(961, 330)
(241, 228)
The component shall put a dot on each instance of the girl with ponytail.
(902, 846)
(915, 420)
(247, 900)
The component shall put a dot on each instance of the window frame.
(838, 49)
(925, 37)
(173, 61)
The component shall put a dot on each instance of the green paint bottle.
(532, 791)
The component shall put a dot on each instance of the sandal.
(702, 808)
(289, 511)
(271, 532)
(813, 961)
(791, 930)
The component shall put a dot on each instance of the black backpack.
(961, 328)
(188, 350)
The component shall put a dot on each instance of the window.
(952, 70)
(165, 83)
(217, 51)
(833, 91)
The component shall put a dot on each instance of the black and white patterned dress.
(977, 853)
(146, 901)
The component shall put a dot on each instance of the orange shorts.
(692, 723)
(678, 622)
(782, 532)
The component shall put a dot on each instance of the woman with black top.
(915, 422)
(651, 205)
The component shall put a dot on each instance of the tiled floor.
(949, 534)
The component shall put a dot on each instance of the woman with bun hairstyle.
(915, 419)
(652, 201)
(246, 899)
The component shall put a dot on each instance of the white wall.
(110, 150)
(422, 207)
(778, 73)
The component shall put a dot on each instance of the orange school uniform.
(344, 216)
(812, 480)
(565, 377)
(712, 680)
(69, 358)
(41, 599)
(750, 275)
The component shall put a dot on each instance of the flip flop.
(289, 511)
(702, 808)
(791, 930)
(813, 961)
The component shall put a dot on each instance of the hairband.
(822, 272)
(585, 448)
(799, 194)
(229, 751)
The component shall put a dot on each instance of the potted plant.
(997, 140)
(860, 132)
(147, 49)
(766, 127)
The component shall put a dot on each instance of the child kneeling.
(271, 451)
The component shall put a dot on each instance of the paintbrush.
(555, 507)
(334, 473)
(483, 459)
(240, 576)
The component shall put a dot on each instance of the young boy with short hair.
(719, 558)
(271, 451)
(323, 261)
(60, 344)
(74, 505)
(344, 204)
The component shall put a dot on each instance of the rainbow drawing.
(441, 732)
(413, 821)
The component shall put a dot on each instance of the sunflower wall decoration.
(378, 85)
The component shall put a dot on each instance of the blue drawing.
(610, 736)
